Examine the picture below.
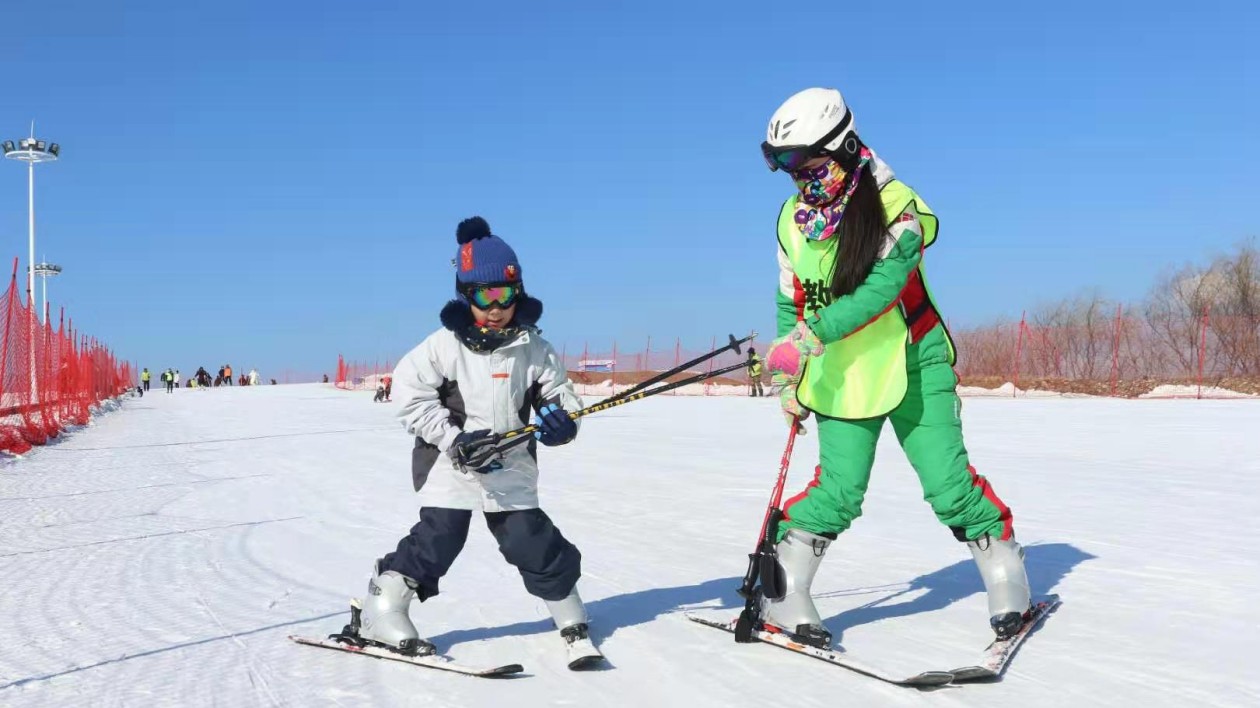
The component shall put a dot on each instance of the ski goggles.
(791, 158)
(487, 296)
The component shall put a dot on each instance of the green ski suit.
(855, 393)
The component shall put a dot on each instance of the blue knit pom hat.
(483, 257)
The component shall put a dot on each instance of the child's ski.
(432, 661)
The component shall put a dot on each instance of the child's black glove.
(555, 427)
(475, 451)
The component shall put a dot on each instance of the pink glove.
(792, 408)
(788, 354)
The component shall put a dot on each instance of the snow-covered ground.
(161, 556)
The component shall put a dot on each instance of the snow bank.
(1182, 391)
(1008, 390)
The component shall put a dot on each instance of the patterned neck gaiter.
(818, 213)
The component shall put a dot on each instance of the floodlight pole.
(31, 151)
(46, 271)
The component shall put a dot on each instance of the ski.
(432, 661)
(583, 656)
(581, 651)
(992, 661)
(996, 656)
(837, 658)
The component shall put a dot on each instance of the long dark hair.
(861, 235)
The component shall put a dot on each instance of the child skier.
(482, 373)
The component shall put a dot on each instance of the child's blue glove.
(555, 427)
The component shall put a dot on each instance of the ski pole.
(733, 345)
(512, 438)
(763, 562)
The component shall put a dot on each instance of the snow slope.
(161, 556)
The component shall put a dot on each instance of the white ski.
(1000, 651)
(838, 658)
(432, 661)
(992, 661)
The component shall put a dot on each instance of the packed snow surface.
(161, 556)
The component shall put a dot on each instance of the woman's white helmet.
(811, 117)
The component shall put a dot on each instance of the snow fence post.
(1115, 353)
(677, 359)
(709, 382)
(1019, 350)
(1203, 327)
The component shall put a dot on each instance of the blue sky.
(270, 184)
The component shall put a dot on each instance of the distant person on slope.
(144, 378)
(861, 341)
(482, 373)
(754, 374)
(168, 378)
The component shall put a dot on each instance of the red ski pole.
(763, 562)
(776, 497)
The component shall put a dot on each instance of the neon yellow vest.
(864, 374)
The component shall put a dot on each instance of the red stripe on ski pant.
(1004, 511)
(805, 492)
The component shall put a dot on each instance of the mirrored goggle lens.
(788, 159)
(501, 295)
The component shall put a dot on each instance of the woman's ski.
(991, 664)
(1000, 652)
(927, 678)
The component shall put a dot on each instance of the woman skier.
(861, 341)
(482, 373)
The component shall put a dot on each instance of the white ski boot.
(1001, 565)
(570, 617)
(382, 617)
(800, 553)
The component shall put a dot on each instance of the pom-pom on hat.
(482, 256)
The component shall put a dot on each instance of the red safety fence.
(49, 378)
(1120, 353)
(605, 371)
(360, 376)
(1111, 353)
